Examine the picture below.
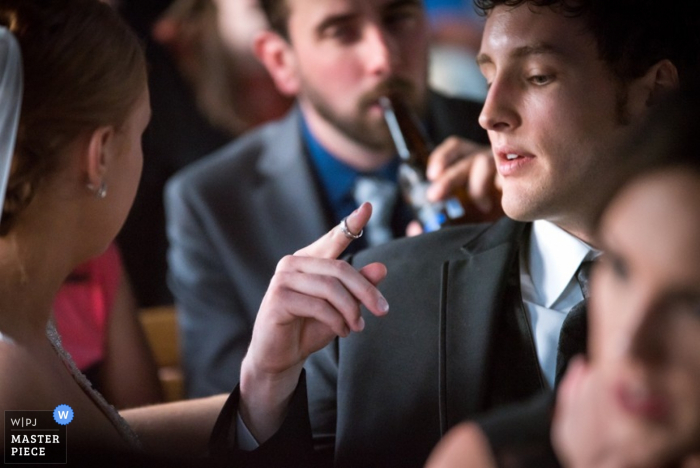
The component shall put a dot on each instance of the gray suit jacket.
(233, 215)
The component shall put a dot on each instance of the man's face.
(347, 53)
(552, 112)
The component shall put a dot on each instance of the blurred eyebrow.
(522, 52)
(403, 3)
(333, 20)
(344, 17)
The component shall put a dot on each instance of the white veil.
(10, 103)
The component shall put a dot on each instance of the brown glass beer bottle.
(414, 148)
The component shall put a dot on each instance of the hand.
(459, 164)
(589, 429)
(581, 433)
(571, 437)
(464, 446)
(312, 298)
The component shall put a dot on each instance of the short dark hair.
(631, 35)
(277, 14)
(664, 140)
(669, 135)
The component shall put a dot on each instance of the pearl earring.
(100, 192)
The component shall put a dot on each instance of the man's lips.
(511, 161)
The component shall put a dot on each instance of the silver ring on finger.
(346, 231)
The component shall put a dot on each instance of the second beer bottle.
(414, 148)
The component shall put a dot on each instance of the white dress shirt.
(548, 286)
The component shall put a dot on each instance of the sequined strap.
(112, 414)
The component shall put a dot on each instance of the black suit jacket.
(290, 447)
(385, 396)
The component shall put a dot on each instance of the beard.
(359, 126)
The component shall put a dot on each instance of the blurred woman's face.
(645, 311)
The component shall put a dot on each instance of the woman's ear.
(98, 156)
(278, 56)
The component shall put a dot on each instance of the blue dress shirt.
(337, 180)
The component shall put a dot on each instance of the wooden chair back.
(160, 326)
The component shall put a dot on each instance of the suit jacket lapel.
(473, 287)
(288, 188)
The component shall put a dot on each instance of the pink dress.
(82, 307)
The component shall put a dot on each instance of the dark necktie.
(382, 194)
(574, 330)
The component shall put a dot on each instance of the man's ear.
(277, 54)
(98, 155)
(664, 79)
(659, 80)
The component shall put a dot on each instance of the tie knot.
(582, 276)
(371, 186)
(382, 194)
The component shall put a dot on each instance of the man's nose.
(499, 111)
(381, 51)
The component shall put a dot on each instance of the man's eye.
(342, 32)
(540, 80)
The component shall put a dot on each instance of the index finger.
(334, 242)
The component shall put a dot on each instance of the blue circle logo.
(63, 414)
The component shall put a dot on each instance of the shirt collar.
(554, 256)
(338, 178)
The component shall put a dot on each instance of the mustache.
(391, 87)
